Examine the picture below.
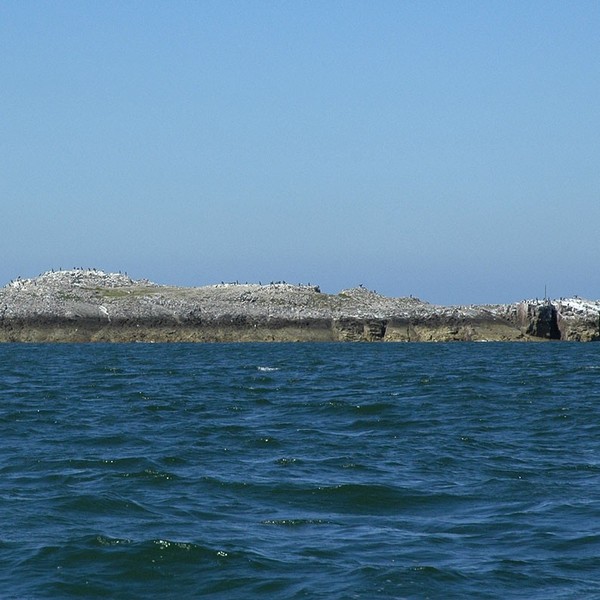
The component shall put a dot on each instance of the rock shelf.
(83, 305)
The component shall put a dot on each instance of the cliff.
(91, 305)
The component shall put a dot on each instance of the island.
(90, 305)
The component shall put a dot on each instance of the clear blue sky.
(449, 150)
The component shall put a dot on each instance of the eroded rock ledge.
(90, 305)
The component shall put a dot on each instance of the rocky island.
(89, 305)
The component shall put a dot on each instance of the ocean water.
(300, 471)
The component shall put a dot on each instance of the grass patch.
(125, 292)
(68, 296)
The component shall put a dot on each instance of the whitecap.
(267, 369)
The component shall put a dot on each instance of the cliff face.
(90, 305)
(578, 320)
(539, 320)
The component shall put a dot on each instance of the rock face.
(91, 305)
(539, 320)
(578, 320)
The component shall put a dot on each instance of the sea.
(314, 471)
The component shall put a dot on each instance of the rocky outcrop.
(540, 320)
(91, 305)
(578, 320)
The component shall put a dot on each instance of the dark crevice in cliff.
(544, 323)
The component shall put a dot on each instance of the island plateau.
(89, 305)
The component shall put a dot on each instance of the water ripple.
(300, 471)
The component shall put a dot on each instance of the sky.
(445, 150)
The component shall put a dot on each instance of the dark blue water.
(300, 471)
